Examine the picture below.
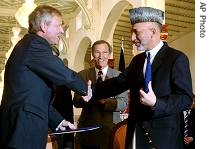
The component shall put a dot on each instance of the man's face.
(141, 35)
(101, 55)
(54, 30)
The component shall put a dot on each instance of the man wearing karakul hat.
(170, 89)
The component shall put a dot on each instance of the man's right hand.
(90, 94)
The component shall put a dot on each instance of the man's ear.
(43, 27)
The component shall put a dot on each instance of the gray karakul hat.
(146, 14)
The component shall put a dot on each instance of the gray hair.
(41, 13)
(146, 14)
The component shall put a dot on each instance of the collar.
(154, 51)
(104, 70)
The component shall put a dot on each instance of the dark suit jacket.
(26, 109)
(64, 105)
(171, 83)
(95, 114)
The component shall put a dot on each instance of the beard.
(141, 48)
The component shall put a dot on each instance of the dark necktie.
(100, 75)
(148, 73)
(186, 118)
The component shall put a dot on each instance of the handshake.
(90, 94)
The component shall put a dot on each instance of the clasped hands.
(148, 99)
(90, 94)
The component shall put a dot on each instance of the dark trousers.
(89, 147)
(65, 141)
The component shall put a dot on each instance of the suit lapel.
(92, 75)
(158, 60)
(109, 74)
(140, 64)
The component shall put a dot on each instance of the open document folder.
(76, 130)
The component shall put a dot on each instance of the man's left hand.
(149, 98)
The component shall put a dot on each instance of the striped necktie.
(100, 75)
(148, 73)
(186, 119)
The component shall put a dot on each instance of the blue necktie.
(148, 73)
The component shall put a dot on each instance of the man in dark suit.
(170, 90)
(104, 112)
(31, 71)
